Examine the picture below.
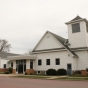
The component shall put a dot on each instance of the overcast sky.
(24, 22)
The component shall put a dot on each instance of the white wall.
(48, 42)
(2, 62)
(77, 39)
(27, 64)
(82, 60)
(64, 60)
(14, 64)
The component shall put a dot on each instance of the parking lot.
(10, 82)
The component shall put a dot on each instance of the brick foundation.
(3, 70)
(84, 72)
(30, 71)
(14, 71)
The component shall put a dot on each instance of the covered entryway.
(23, 63)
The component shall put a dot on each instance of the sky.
(24, 22)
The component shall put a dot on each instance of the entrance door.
(69, 69)
(20, 68)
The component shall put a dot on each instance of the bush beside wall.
(51, 72)
(61, 72)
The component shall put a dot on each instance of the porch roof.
(31, 57)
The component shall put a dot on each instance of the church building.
(54, 51)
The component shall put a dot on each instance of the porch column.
(14, 66)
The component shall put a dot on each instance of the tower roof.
(76, 18)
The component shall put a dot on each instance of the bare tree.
(4, 45)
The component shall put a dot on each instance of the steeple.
(76, 18)
(78, 32)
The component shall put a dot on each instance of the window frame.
(38, 72)
(47, 61)
(39, 62)
(11, 64)
(31, 64)
(4, 65)
(87, 69)
(57, 62)
(76, 28)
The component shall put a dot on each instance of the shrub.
(10, 70)
(6, 72)
(77, 72)
(61, 72)
(51, 72)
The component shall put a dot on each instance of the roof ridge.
(77, 18)
(57, 35)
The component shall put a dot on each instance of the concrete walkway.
(54, 77)
(9, 75)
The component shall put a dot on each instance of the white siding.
(48, 42)
(82, 60)
(27, 64)
(86, 35)
(64, 60)
(14, 64)
(77, 39)
(2, 62)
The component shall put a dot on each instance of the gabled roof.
(62, 41)
(5, 55)
(59, 38)
(76, 18)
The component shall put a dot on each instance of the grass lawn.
(33, 76)
(72, 78)
(2, 72)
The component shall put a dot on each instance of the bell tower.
(78, 32)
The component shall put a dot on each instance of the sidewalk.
(9, 75)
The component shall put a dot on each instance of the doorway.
(69, 69)
(20, 68)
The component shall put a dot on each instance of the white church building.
(54, 51)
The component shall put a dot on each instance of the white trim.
(32, 57)
(40, 40)
(48, 51)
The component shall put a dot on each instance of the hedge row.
(58, 72)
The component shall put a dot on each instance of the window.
(87, 69)
(11, 64)
(4, 66)
(39, 62)
(20, 61)
(31, 64)
(87, 27)
(57, 61)
(75, 28)
(38, 72)
(47, 61)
